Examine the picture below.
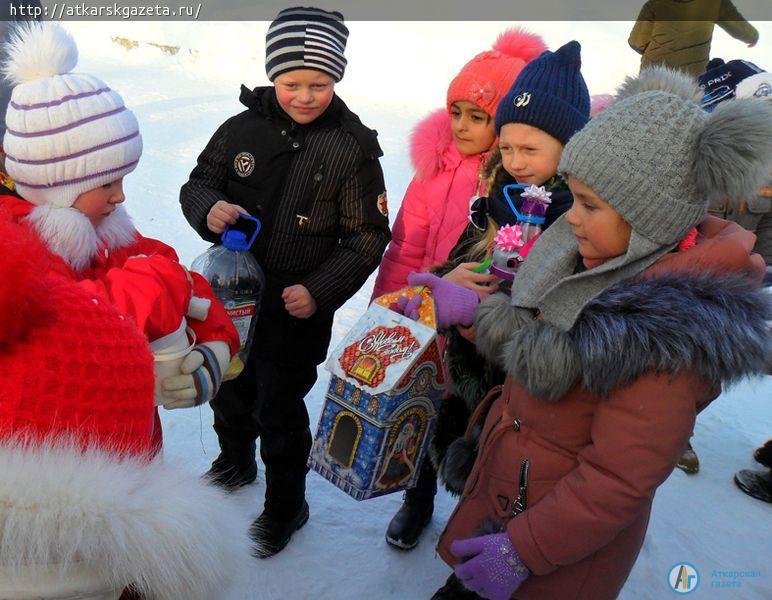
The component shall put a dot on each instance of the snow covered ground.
(397, 73)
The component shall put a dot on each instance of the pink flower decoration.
(509, 238)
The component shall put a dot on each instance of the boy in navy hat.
(303, 163)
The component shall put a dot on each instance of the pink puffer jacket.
(435, 210)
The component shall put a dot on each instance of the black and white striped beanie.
(306, 38)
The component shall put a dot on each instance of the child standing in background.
(531, 140)
(448, 150)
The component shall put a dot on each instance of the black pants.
(426, 486)
(267, 400)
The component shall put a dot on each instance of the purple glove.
(455, 304)
(409, 306)
(492, 568)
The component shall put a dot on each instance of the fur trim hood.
(152, 524)
(699, 309)
(69, 233)
(431, 146)
(720, 331)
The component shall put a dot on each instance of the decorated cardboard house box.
(381, 405)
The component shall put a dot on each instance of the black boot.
(454, 590)
(407, 525)
(416, 511)
(271, 533)
(229, 475)
(757, 484)
(763, 454)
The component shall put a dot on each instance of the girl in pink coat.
(448, 149)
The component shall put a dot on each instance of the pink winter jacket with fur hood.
(435, 209)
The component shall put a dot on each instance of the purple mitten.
(409, 306)
(455, 304)
(492, 568)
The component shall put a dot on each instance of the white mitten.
(202, 372)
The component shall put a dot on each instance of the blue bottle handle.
(235, 238)
(520, 216)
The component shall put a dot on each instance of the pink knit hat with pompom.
(486, 78)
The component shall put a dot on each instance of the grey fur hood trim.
(495, 320)
(720, 331)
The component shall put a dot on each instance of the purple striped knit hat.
(67, 133)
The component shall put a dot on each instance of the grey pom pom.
(660, 79)
(733, 152)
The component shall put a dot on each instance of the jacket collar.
(432, 150)
(700, 310)
(69, 234)
(262, 101)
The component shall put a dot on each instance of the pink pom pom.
(520, 43)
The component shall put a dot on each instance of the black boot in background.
(414, 515)
(757, 484)
(229, 475)
(763, 454)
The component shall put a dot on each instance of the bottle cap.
(235, 238)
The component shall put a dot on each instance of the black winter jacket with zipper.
(319, 192)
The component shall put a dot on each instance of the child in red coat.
(69, 143)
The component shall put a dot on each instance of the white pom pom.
(39, 50)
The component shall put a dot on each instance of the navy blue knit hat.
(549, 94)
(720, 80)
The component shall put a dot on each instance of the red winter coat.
(652, 353)
(435, 210)
(140, 276)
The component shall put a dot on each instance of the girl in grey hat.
(629, 315)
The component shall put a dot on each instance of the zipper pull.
(522, 494)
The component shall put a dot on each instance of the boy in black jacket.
(303, 163)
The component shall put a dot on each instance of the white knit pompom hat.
(67, 133)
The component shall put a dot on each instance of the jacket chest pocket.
(318, 209)
(509, 497)
(502, 496)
